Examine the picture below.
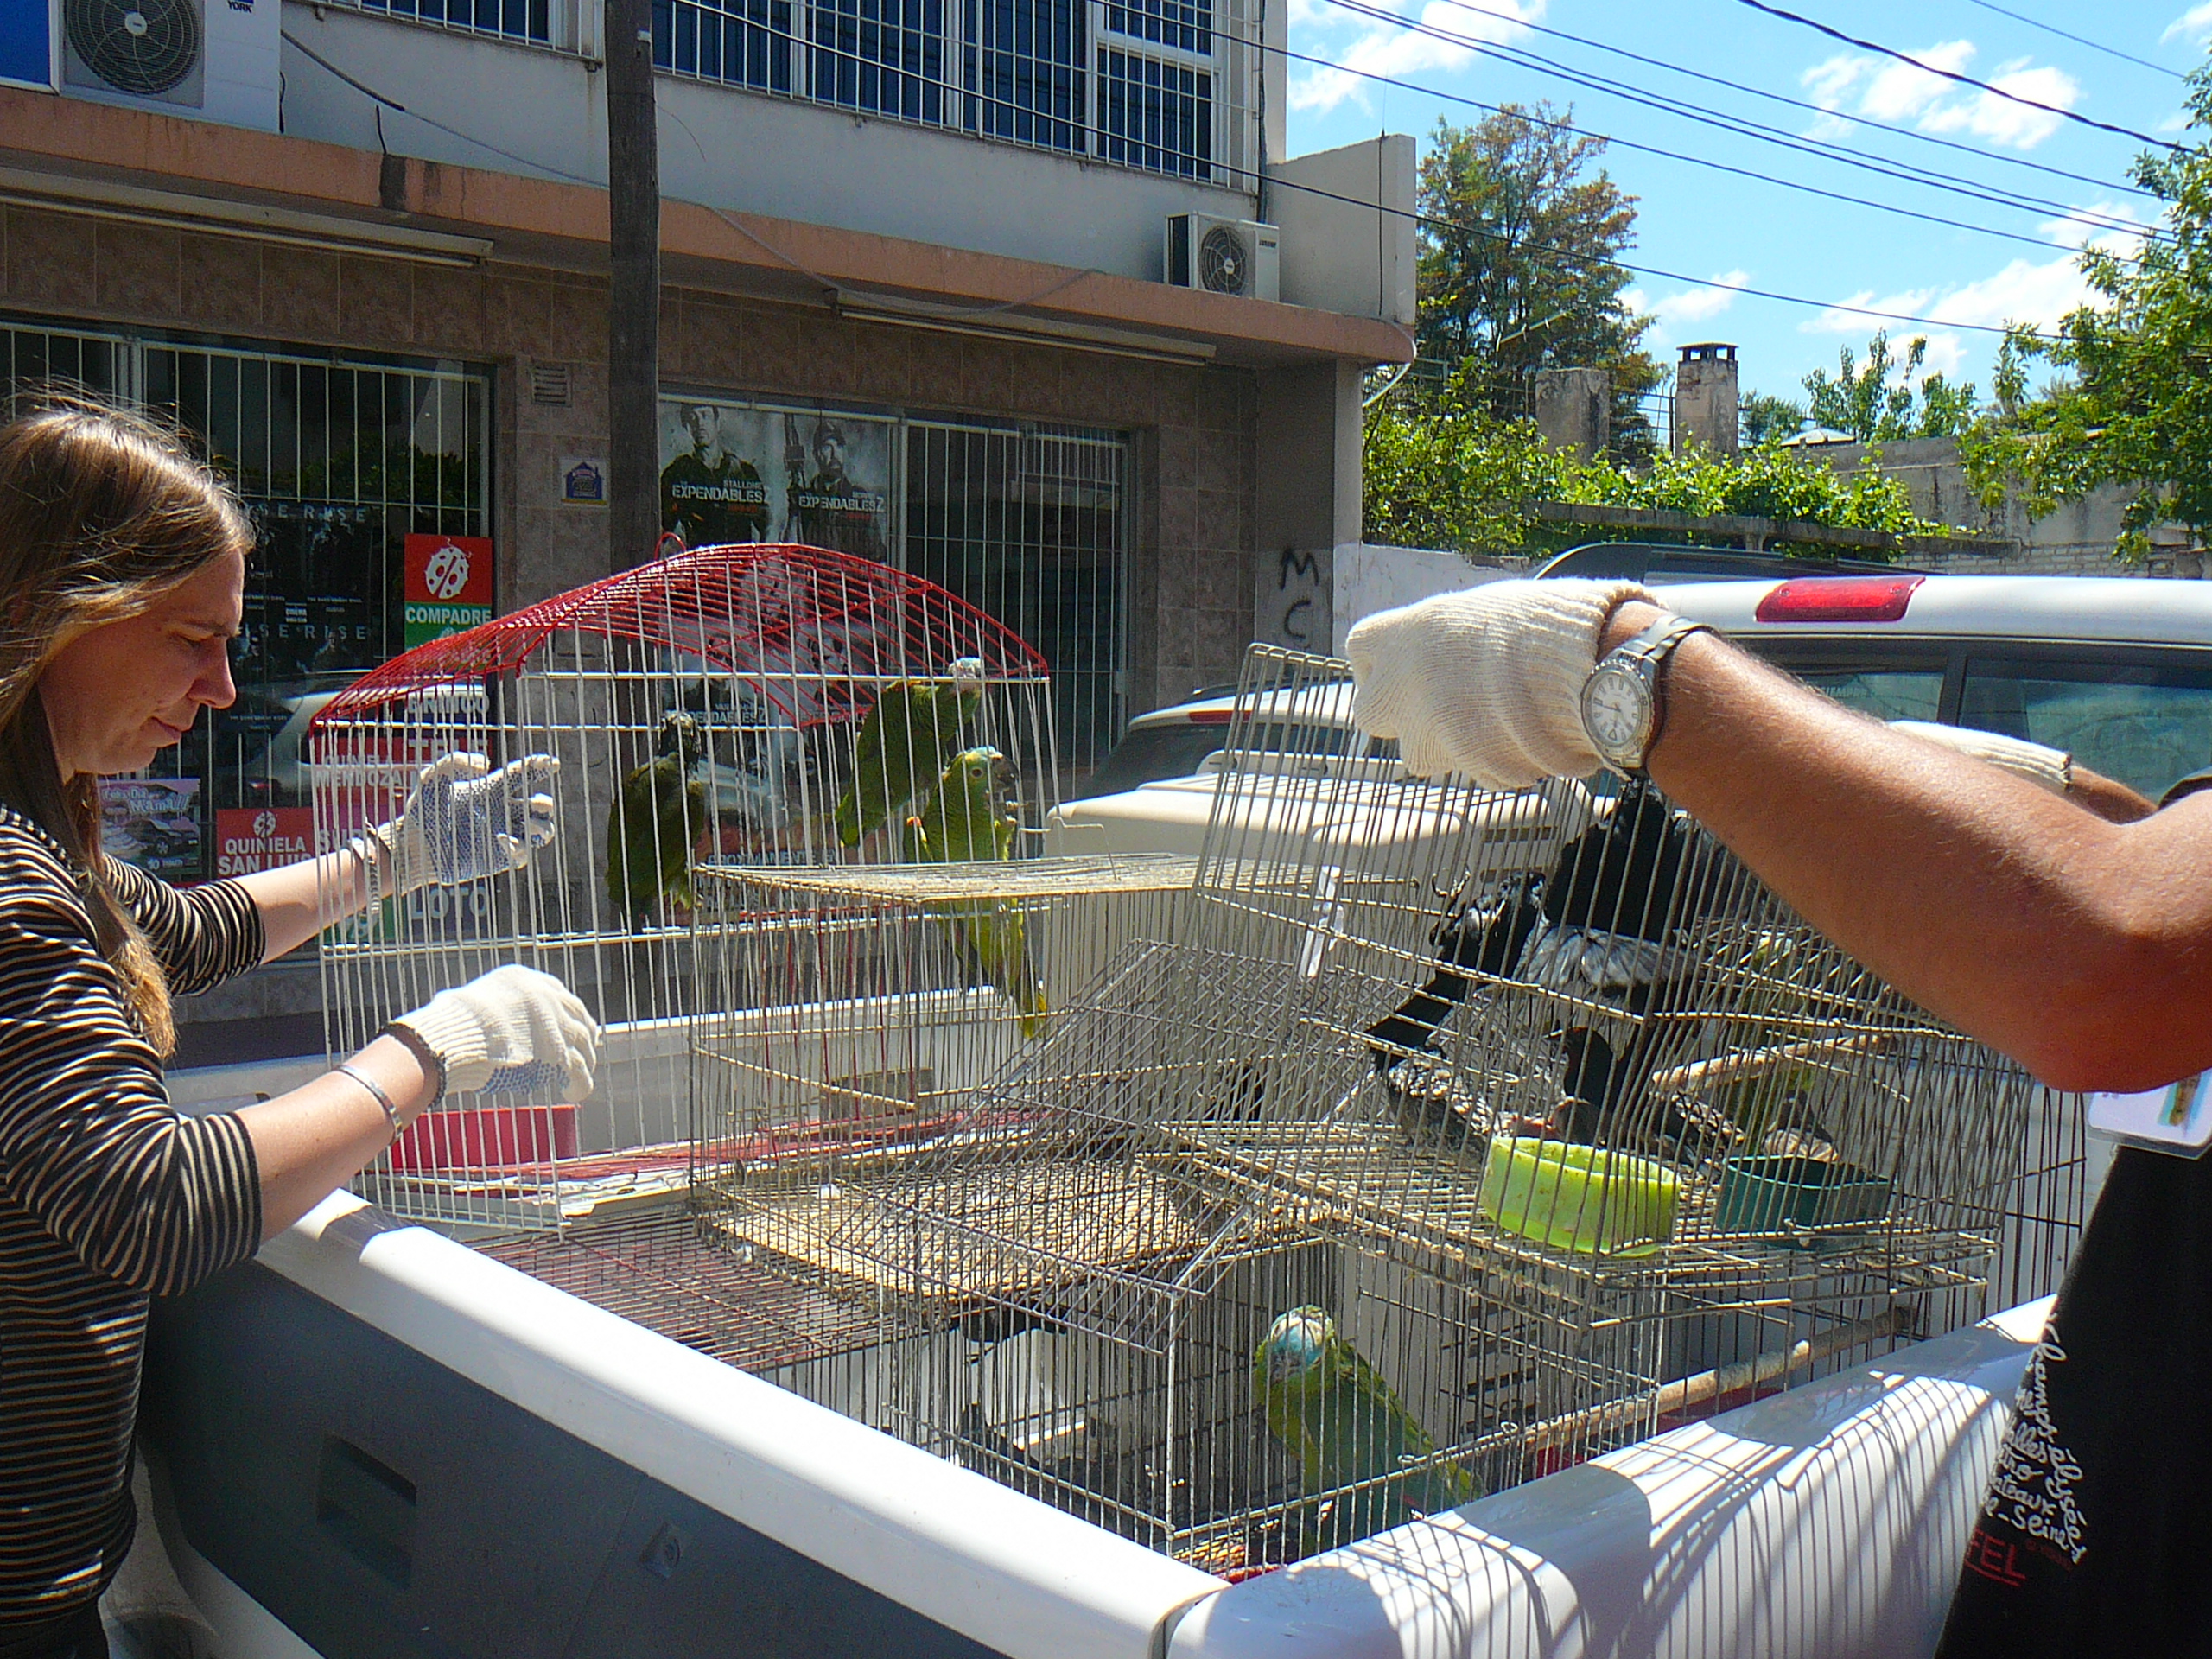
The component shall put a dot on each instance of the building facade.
(913, 307)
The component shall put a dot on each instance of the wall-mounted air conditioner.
(214, 58)
(1224, 255)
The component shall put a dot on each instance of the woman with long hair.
(122, 582)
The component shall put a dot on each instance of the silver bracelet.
(390, 1111)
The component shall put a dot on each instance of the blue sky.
(1724, 231)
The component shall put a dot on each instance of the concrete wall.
(1372, 578)
(1306, 499)
(2076, 540)
(725, 147)
(1339, 255)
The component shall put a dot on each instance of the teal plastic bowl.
(1800, 1197)
(1587, 1200)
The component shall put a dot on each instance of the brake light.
(1209, 716)
(1839, 599)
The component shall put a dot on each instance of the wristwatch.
(1622, 708)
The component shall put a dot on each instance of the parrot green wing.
(963, 823)
(652, 827)
(903, 745)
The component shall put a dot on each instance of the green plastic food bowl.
(1582, 1198)
(1800, 1197)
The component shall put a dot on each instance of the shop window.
(338, 463)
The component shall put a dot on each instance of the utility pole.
(633, 287)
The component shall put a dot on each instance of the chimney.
(1574, 410)
(1704, 398)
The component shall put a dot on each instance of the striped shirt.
(108, 1198)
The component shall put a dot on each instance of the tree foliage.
(1763, 419)
(1521, 238)
(1448, 472)
(1878, 402)
(2131, 400)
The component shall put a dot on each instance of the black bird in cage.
(1596, 924)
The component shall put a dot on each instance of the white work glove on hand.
(1487, 682)
(513, 1031)
(464, 821)
(2052, 768)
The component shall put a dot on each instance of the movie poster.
(153, 823)
(735, 473)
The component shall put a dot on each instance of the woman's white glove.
(464, 820)
(513, 1031)
(2052, 768)
(1487, 682)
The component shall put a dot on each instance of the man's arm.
(2082, 947)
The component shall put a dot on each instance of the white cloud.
(1882, 89)
(2192, 25)
(1382, 49)
(1692, 305)
(2036, 292)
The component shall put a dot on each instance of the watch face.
(1616, 710)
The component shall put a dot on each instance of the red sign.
(252, 838)
(448, 570)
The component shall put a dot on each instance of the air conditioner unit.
(1224, 255)
(214, 59)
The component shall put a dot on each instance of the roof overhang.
(74, 156)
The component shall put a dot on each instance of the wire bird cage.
(1530, 1119)
(769, 705)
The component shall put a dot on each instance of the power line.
(1792, 103)
(1273, 182)
(2078, 40)
(1903, 172)
(1954, 75)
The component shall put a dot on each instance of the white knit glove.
(1487, 682)
(464, 820)
(2052, 768)
(513, 1031)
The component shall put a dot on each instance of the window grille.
(1187, 25)
(511, 19)
(1019, 70)
(1155, 115)
(885, 56)
(1025, 71)
(745, 42)
(338, 460)
(1029, 526)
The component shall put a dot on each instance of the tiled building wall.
(1191, 571)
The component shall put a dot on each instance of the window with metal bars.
(745, 42)
(885, 56)
(1028, 524)
(513, 20)
(338, 460)
(1025, 71)
(1187, 25)
(1155, 115)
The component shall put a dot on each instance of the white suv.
(2115, 669)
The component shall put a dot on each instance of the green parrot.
(970, 818)
(1335, 1411)
(903, 744)
(655, 821)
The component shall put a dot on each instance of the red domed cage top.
(812, 627)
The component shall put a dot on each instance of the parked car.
(2115, 669)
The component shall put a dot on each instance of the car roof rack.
(1641, 560)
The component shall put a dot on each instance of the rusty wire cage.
(715, 704)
